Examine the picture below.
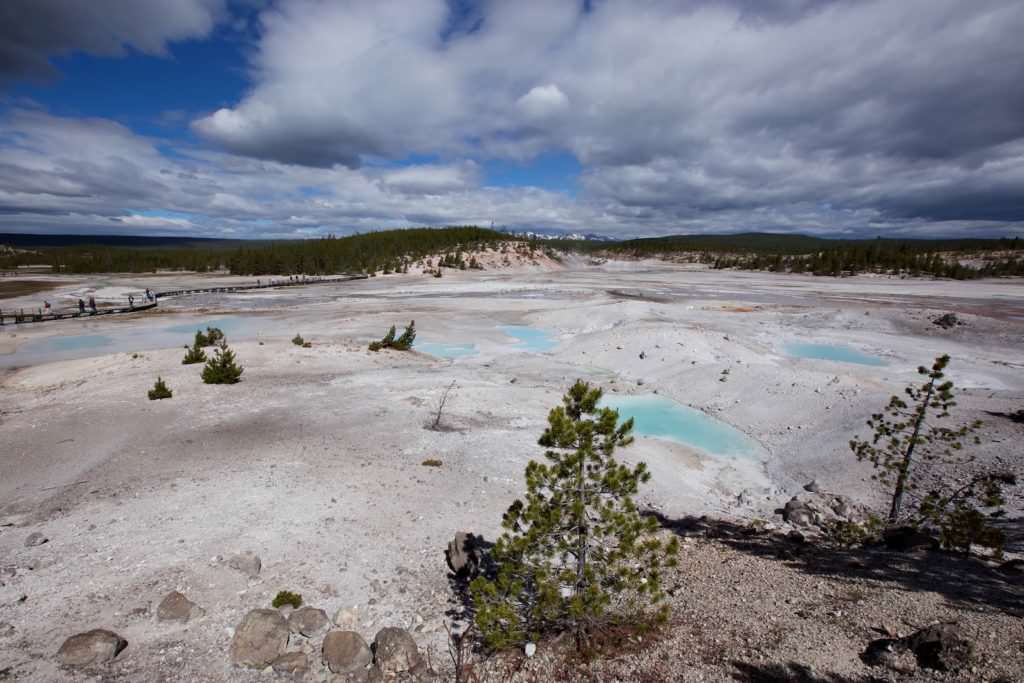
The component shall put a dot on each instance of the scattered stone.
(35, 538)
(812, 487)
(530, 649)
(947, 321)
(259, 639)
(939, 647)
(464, 554)
(347, 617)
(817, 510)
(395, 651)
(176, 607)
(91, 648)
(295, 663)
(6, 630)
(643, 355)
(248, 563)
(308, 621)
(346, 652)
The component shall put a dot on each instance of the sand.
(313, 460)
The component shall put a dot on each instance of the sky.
(299, 118)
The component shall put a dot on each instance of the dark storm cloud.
(32, 31)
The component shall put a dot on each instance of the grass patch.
(287, 598)
(431, 462)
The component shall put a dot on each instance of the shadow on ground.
(789, 673)
(970, 583)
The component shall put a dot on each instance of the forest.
(395, 250)
(830, 257)
(385, 250)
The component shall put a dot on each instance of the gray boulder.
(308, 621)
(259, 639)
(91, 648)
(464, 554)
(346, 652)
(35, 538)
(248, 563)
(817, 510)
(395, 651)
(939, 647)
(176, 607)
(295, 663)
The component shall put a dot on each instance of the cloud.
(543, 101)
(32, 31)
(824, 116)
(910, 109)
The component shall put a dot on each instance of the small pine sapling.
(222, 368)
(298, 340)
(159, 390)
(194, 354)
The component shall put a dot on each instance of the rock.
(176, 607)
(907, 538)
(463, 554)
(35, 538)
(395, 651)
(91, 648)
(308, 621)
(296, 663)
(346, 652)
(812, 487)
(530, 649)
(947, 321)
(347, 617)
(259, 639)
(6, 630)
(939, 647)
(819, 510)
(248, 563)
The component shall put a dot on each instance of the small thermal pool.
(833, 352)
(665, 419)
(442, 350)
(75, 342)
(530, 338)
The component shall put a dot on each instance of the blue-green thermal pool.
(665, 419)
(834, 352)
(530, 338)
(442, 350)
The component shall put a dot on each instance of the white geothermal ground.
(313, 461)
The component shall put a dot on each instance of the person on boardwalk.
(81, 306)
(149, 296)
(131, 301)
(92, 304)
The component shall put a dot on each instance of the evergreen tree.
(298, 340)
(221, 368)
(159, 390)
(578, 541)
(194, 354)
(405, 342)
(912, 450)
(902, 431)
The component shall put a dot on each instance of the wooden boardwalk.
(19, 318)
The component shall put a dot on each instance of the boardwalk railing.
(20, 317)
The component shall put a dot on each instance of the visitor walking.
(92, 304)
(131, 301)
(81, 306)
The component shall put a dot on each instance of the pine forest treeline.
(389, 250)
(803, 254)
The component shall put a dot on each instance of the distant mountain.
(552, 234)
